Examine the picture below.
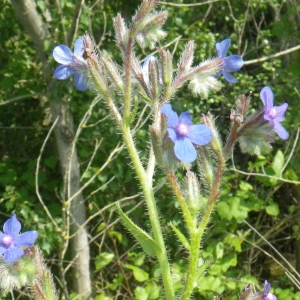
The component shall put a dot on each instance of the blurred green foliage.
(120, 269)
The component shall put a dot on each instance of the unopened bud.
(94, 65)
(167, 67)
(154, 79)
(193, 193)
(113, 73)
(186, 58)
(121, 32)
(216, 142)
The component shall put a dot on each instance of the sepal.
(149, 30)
(187, 58)
(193, 193)
(99, 83)
(167, 67)
(113, 73)
(122, 32)
(201, 85)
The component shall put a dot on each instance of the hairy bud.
(167, 67)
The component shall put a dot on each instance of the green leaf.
(145, 240)
(181, 237)
(139, 274)
(220, 250)
(116, 282)
(233, 241)
(101, 297)
(278, 162)
(224, 210)
(140, 293)
(153, 290)
(272, 209)
(103, 260)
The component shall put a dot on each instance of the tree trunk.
(26, 12)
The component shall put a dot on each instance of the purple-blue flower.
(11, 240)
(232, 63)
(266, 294)
(184, 134)
(71, 64)
(274, 114)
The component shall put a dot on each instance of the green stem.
(146, 184)
(192, 275)
(185, 210)
(197, 233)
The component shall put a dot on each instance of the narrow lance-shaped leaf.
(145, 240)
(181, 237)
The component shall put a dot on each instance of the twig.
(277, 252)
(291, 153)
(37, 175)
(188, 5)
(258, 60)
(18, 98)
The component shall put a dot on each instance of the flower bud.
(186, 58)
(113, 73)
(216, 142)
(193, 193)
(94, 65)
(167, 67)
(121, 32)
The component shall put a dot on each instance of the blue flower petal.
(171, 115)
(200, 134)
(2, 250)
(281, 131)
(79, 82)
(63, 72)
(26, 239)
(147, 61)
(184, 150)
(266, 96)
(233, 63)
(79, 48)
(185, 118)
(222, 47)
(172, 134)
(12, 226)
(280, 110)
(12, 254)
(229, 77)
(63, 55)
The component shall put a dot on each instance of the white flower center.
(6, 241)
(272, 113)
(183, 129)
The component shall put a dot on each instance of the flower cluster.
(184, 134)
(71, 64)
(11, 240)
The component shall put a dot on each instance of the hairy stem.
(146, 184)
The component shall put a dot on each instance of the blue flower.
(274, 114)
(71, 64)
(184, 134)
(231, 63)
(266, 294)
(11, 241)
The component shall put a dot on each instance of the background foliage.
(120, 269)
